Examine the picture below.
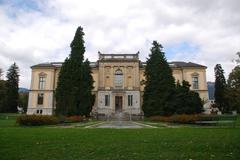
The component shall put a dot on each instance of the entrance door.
(118, 103)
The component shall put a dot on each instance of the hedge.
(75, 119)
(36, 120)
(183, 118)
(190, 118)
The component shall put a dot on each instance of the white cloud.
(31, 36)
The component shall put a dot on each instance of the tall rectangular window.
(130, 100)
(107, 100)
(40, 99)
(118, 78)
(42, 82)
(195, 82)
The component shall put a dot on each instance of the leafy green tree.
(187, 101)
(12, 88)
(233, 92)
(220, 89)
(159, 83)
(74, 90)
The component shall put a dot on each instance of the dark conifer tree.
(3, 95)
(220, 88)
(159, 83)
(186, 101)
(12, 88)
(73, 93)
(85, 92)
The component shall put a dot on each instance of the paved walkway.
(120, 124)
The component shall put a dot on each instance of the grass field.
(39, 143)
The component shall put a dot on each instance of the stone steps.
(119, 117)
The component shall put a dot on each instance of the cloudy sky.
(201, 31)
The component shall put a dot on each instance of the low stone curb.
(146, 125)
(90, 126)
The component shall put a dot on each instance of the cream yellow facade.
(118, 84)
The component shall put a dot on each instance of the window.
(195, 82)
(118, 78)
(39, 111)
(42, 81)
(130, 100)
(107, 100)
(40, 98)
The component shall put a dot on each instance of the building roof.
(185, 64)
(174, 64)
(180, 64)
(56, 65)
(48, 64)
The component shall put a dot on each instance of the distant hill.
(211, 90)
(23, 90)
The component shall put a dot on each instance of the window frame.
(195, 82)
(118, 79)
(130, 100)
(40, 98)
(42, 81)
(107, 100)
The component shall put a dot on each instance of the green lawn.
(44, 143)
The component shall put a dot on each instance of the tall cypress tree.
(85, 93)
(75, 83)
(220, 88)
(159, 83)
(12, 88)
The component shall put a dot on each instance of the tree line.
(227, 92)
(9, 96)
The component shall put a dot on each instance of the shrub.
(183, 118)
(36, 120)
(75, 119)
(159, 118)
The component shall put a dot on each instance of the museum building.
(118, 84)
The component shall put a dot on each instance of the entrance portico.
(117, 101)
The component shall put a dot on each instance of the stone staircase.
(121, 116)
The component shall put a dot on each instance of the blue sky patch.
(25, 5)
(184, 47)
